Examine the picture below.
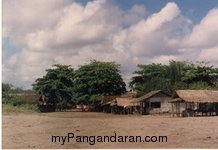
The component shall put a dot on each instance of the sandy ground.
(36, 130)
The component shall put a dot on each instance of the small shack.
(105, 103)
(122, 106)
(108, 103)
(152, 103)
(194, 103)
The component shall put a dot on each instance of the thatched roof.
(129, 94)
(109, 102)
(200, 96)
(122, 102)
(149, 95)
(106, 99)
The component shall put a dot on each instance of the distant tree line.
(6, 87)
(174, 76)
(9, 93)
(14, 103)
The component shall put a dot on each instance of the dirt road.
(36, 130)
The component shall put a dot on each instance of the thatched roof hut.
(194, 102)
(149, 95)
(197, 96)
(109, 99)
(153, 102)
(122, 102)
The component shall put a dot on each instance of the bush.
(12, 103)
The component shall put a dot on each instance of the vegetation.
(96, 79)
(176, 75)
(64, 86)
(13, 103)
(12, 89)
(24, 108)
(57, 85)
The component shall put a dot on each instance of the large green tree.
(93, 80)
(57, 84)
(150, 77)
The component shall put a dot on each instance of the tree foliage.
(7, 96)
(176, 75)
(57, 84)
(85, 85)
(151, 76)
(96, 79)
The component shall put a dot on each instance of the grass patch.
(23, 108)
(17, 104)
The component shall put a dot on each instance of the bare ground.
(35, 130)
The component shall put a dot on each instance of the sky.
(38, 33)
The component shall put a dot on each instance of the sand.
(36, 130)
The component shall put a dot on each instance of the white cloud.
(70, 33)
(152, 36)
(204, 34)
(22, 16)
(202, 42)
(164, 59)
(210, 54)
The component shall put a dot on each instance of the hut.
(194, 102)
(122, 105)
(152, 103)
(108, 102)
(105, 103)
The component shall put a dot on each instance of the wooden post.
(179, 111)
(172, 113)
(141, 109)
(149, 108)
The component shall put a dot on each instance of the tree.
(56, 85)
(96, 79)
(201, 72)
(177, 75)
(8, 95)
(6, 87)
(150, 77)
(175, 71)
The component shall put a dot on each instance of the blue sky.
(39, 33)
(194, 9)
